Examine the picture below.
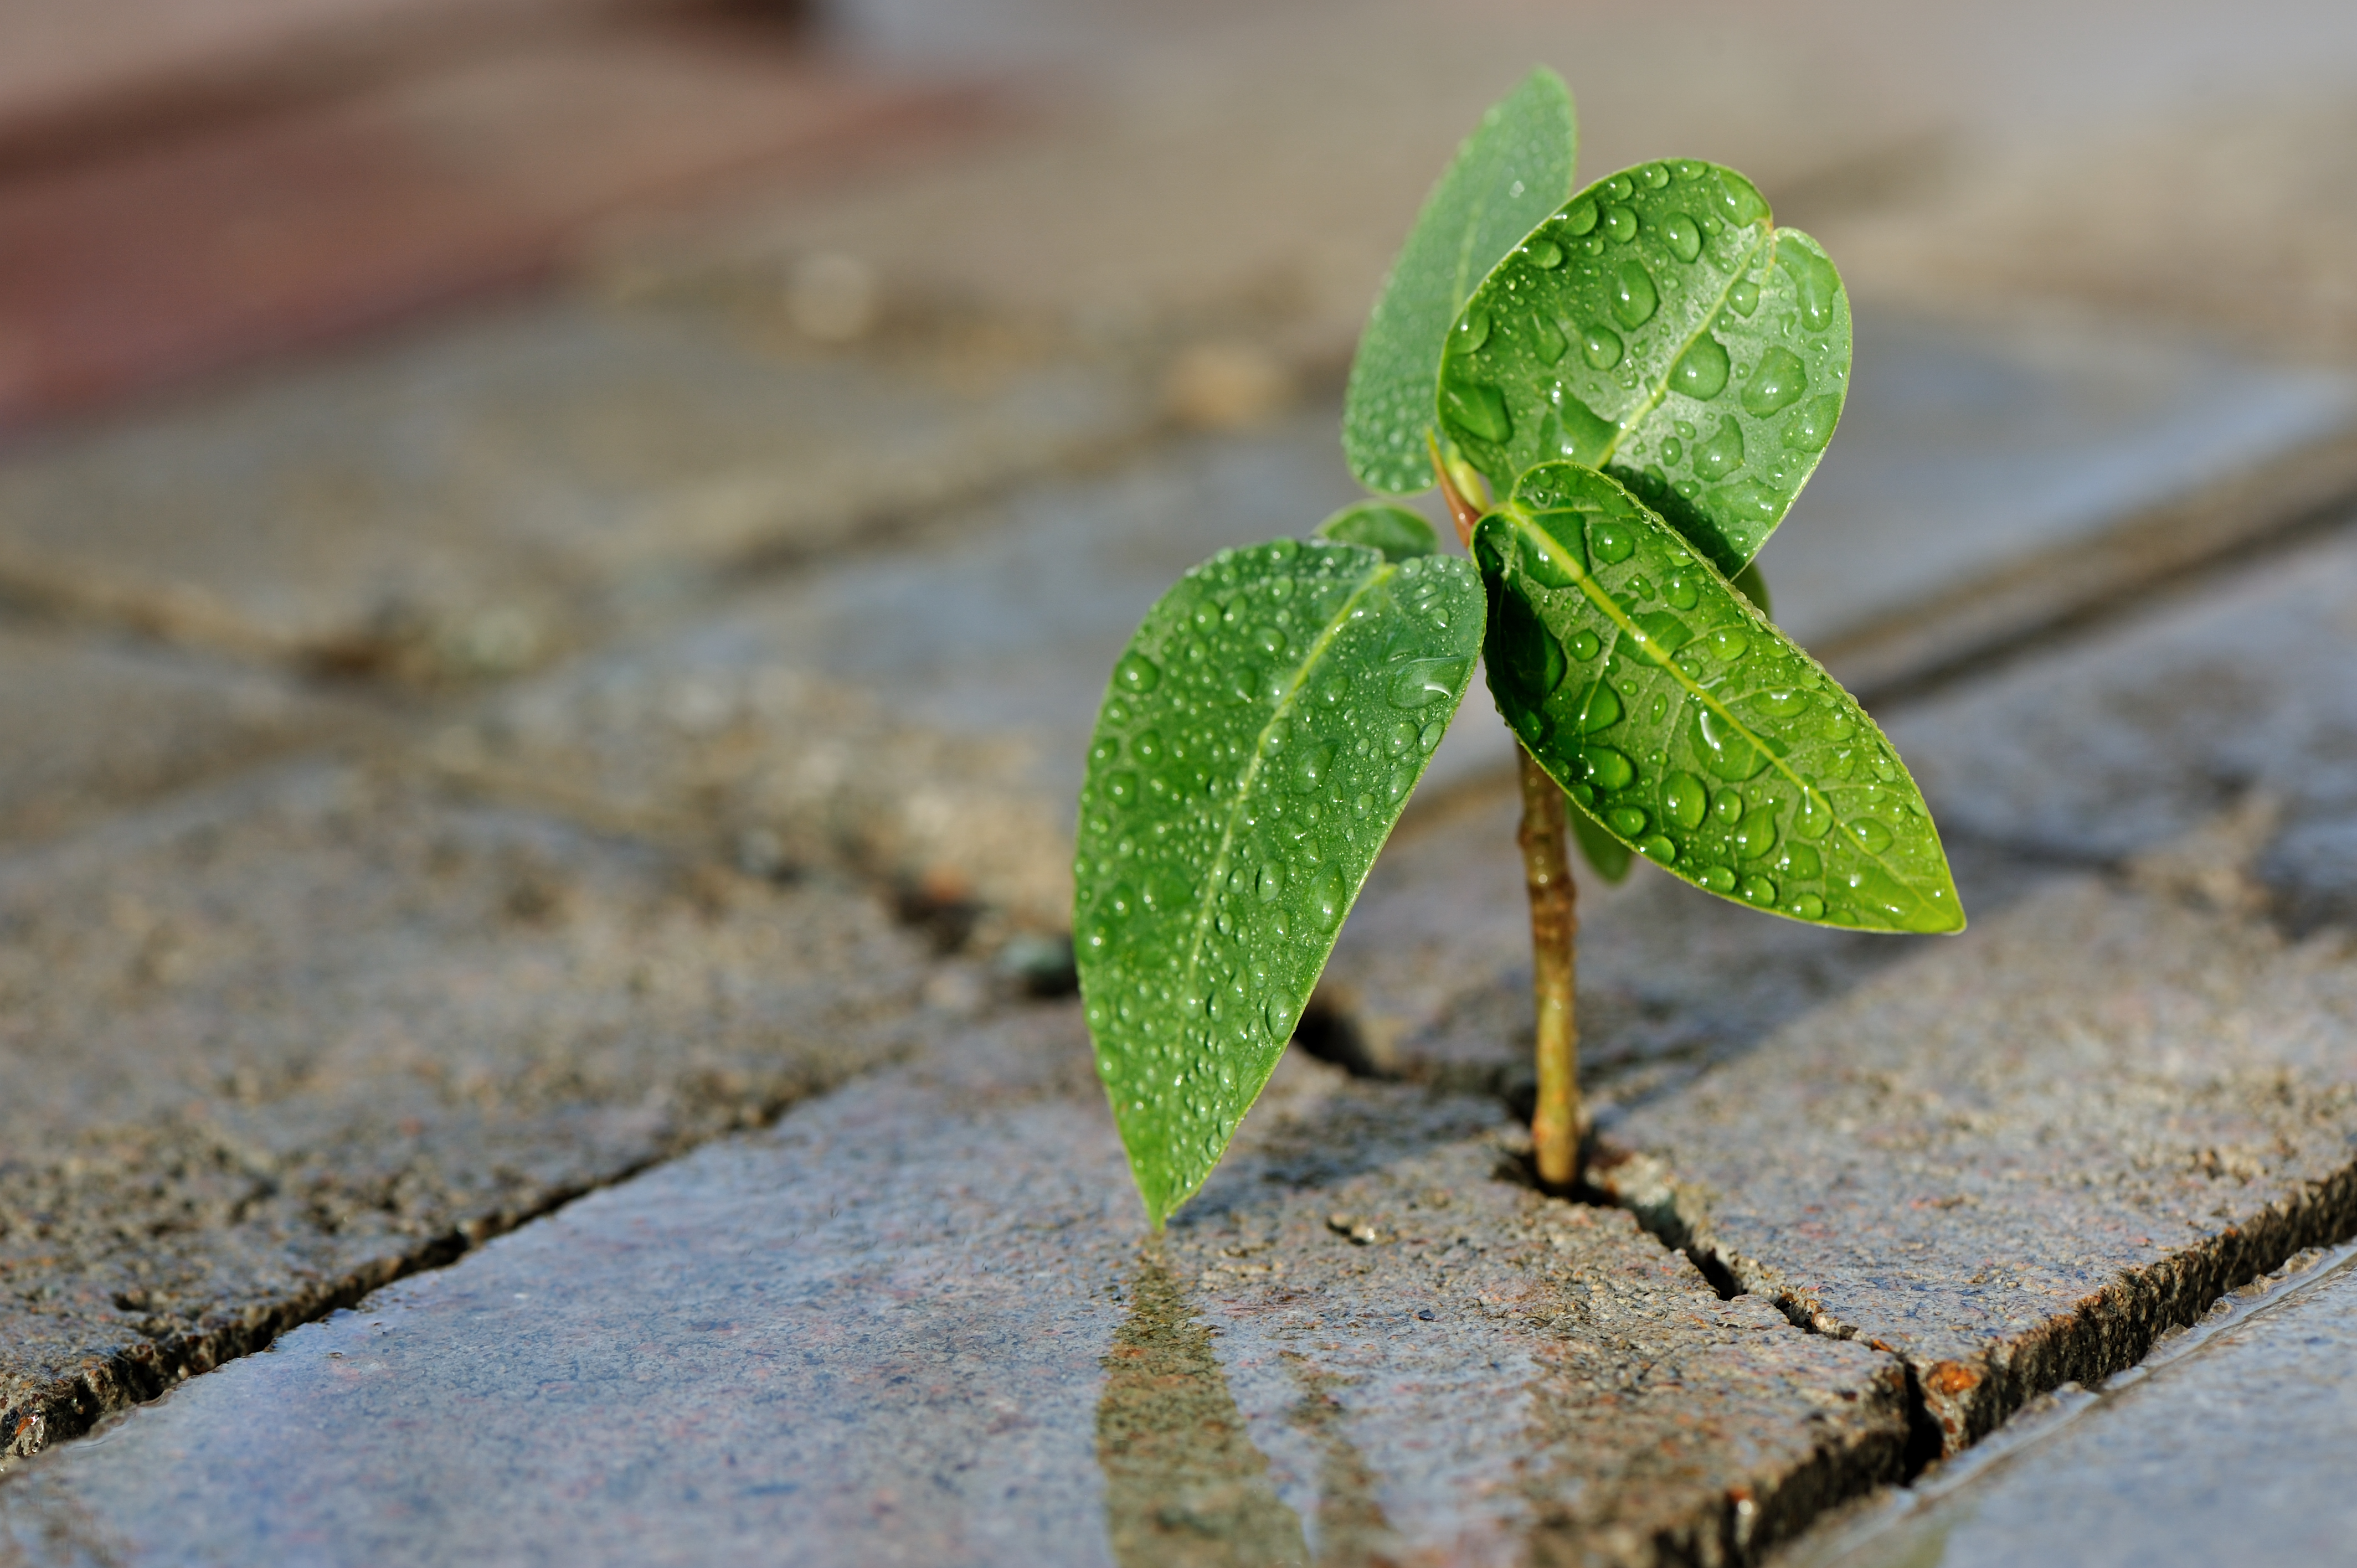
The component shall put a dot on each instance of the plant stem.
(1554, 928)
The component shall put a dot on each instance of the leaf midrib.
(1522, 519)
(1206, 913)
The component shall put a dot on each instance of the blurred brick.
(100, 725)
(266, 1050)
(470, 503)
(179, 255)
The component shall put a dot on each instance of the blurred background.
(375, 353)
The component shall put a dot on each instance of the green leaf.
(1507, 178)
(1397, 533)
(1753, 586)
(1257, 742)
(1663, 329)
(1605, 854)
(1695, 731)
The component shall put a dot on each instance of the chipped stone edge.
(1956, 1403)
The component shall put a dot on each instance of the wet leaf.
(1507, 176)
(1689, 727)
(1395, 532)
(1663, 329)
(1257, 741)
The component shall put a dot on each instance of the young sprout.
(1619, 391)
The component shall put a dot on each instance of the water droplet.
(1812, 424)
(1725, 750)
(1139, 673)
(1629, 821)
(1815, 815)
(1271, 640)
(1640, 588)
(1759, 892)
(1744, 296)
(1270, 883)
(1312, 766)
(1681, 591)
(1688, 168)
(1473, 330)
(1580, 218)
(1607, 769)
(1701, 370)
(1872, 834)
(1609, 543)
(1739, 201)
(1545, 254)
(1426, 681)
(1600, 347)
(1362, 806)
(1815, 284)
(1718, 878)
(1809, 906)
(1429, 736)
(1620, 224)
(1574, 429)
(1684, 238)
(1599, 709)
(1584, 645)
(1722, 453)
(1674, 452)
(1121, 788)
(1755, 835)
(1634, 299)
(1121, 902)
(1401, 780)
(1547, 340)
(1620, 187)
(1684, 799)
(1654, 176)
(1776, 384)
(1658, 849)
(1799, 860)
(1727, 807)
(1478, 410)
(1326, 901)
(1780, 703)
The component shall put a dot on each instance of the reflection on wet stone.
(1184, 1485)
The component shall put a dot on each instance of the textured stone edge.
(68, 1407)
(1956, 1403)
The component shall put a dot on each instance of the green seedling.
(1618, 391)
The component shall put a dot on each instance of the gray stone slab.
(478, 499)
(1966, 448)
(920, 1322)
(99, 725)
(266, 1050)
(2231, 1447)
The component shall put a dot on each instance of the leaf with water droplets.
(1711, 359)
(1688, 725)
(1395, 532)
(1507, 176)
(1258, 740)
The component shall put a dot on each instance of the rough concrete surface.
(266, 1050)
(475, 500)
(2208, 1455)
(103, 724)
(1364, 1343)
